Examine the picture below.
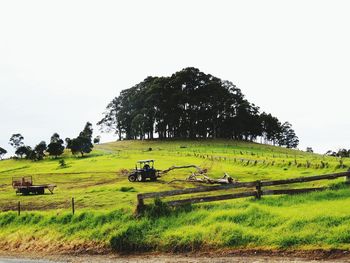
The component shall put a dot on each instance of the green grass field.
(105, 201)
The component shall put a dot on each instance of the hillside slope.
(105, 201)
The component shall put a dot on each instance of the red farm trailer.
(24, 186)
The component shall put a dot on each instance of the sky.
(61, 62)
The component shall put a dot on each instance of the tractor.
(144, 169)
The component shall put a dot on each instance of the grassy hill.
(105, 201)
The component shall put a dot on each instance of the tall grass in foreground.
(308, 221)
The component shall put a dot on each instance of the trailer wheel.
(132, 177)
(41, 191)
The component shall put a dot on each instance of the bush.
(127, 189)
(62, 163)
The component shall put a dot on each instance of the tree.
(35, 154)
(23, 151)
(2, 152)
(112, 121)
(87, 131)
(75, 145)
(82, 144)
(32, 155)
(39, 150)
(342, 153)
(97, 139)
(331, 153)
(16, 140)
(138, 124)
(271, 128)
(68, 142)
(288, 137)
(55, 147)
(309, 150)
(85, 145)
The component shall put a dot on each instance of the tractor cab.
(145, 164)
(144, 169)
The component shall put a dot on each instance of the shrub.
(127, 189)
(62, 163)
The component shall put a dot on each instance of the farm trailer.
(24, 186)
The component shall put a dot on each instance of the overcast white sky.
(61, 62)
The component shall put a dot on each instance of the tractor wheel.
(140, 178)
(153, 179)
(132, 177)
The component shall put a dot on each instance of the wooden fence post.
(73, 208)
(258, 190)
(140, 204)
(19, 208)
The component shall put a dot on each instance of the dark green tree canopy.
(23, 151)
(191, 104)
(2, 152)
(97, 139)
(342, 153)
(16, 140)
(288, 137)
(83, 143)
(40, 150)
(55, 147)
(36, 154)
(87, 131)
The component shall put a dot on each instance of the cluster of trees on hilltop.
(340, 153)
(191, 104)
(81, 144)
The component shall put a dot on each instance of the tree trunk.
(119, 135)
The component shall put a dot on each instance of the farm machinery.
(144, 169)
(24, 186)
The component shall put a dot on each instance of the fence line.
(257, 193)
(20, 207)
